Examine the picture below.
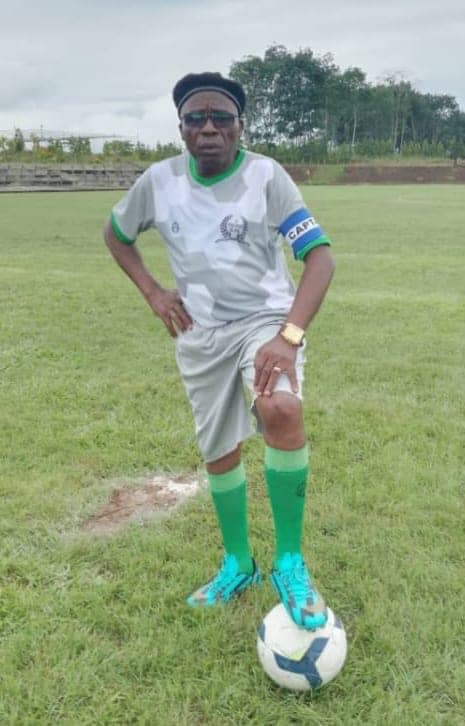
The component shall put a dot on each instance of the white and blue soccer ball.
(300, 659)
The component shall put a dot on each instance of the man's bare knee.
(281, 412)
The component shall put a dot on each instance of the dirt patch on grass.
(142, 501)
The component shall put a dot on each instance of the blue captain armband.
(302, 233)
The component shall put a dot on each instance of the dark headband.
(196, 82)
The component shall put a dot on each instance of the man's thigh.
(211, 375)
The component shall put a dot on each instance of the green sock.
(228, 491)
(286, 475)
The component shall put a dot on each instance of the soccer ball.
(300, 659)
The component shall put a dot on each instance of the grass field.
(95, 630)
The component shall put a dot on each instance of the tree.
(55, 149)
(4, 145)
(351, 93)
(117, 148)
(18, 141)
(285, 94)
(454, 134)
(79, 146)
(258, 78)
(299, 95)
(302, 101)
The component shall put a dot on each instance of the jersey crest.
(233, 228)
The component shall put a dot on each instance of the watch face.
(292, 336)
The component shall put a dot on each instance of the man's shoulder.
(254, 157)
(172, 166)
(263, 161)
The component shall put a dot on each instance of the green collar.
(207, 181)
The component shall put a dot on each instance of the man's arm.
(166, 304)
(277, 353)
(319, 268)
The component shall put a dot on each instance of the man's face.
(213, 147)
(235, 226)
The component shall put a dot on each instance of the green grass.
(95, 631)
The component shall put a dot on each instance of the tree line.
(78, 148)
(307, 107)
(302, 108)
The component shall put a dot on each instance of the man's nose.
(208, 126)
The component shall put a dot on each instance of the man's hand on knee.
(272, 360)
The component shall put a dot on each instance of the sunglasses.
(219, 119)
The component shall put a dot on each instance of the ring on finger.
(277, 369)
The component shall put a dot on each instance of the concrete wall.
(378, 174)
(75, 177)
(62, 177)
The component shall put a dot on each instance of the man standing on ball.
(237, 319)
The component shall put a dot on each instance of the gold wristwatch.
(292, 334)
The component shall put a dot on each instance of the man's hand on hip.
(168, 306)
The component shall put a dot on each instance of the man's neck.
(208, 168)
(209, 179)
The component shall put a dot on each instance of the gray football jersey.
(223, 234)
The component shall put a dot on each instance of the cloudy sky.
(107, 66)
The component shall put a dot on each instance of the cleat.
(291, 580)
(228, 583)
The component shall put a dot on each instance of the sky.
(108, 67)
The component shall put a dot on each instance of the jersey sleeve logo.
(300, 229)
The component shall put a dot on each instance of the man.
(237, 320)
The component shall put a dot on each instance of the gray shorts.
(217, 369)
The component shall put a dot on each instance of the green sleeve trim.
(118, 233)
(319, 242)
